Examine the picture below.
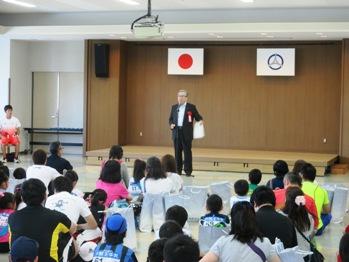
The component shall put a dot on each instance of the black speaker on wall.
(102, 60)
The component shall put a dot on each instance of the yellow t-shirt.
(319, 195)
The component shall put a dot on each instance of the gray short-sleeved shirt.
(228, 249)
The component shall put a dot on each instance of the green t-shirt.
(319, 195)
(251, 188)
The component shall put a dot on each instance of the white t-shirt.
(68, 204)
(44, 173)
(159, 186)
(77, 192)
(176, 180)
(228, 249)
(9, 125)
(235, 199)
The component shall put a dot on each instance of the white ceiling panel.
(116, 5)
(191, 32)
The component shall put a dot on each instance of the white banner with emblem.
(276, 62)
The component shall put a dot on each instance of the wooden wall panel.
(105, 107)
(241, 110)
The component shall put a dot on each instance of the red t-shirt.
(280, 199)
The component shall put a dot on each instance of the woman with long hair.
(116, 153)
(244, 242)
(110, 181)
(296, 211)
(168, 163)
(156, 181)
(137, 180)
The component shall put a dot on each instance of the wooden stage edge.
(212, 159)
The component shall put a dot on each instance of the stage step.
(225, 160)
(339, 169)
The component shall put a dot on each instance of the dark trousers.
(182, 145)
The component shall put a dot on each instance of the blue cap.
(24, 248)
(116, 224)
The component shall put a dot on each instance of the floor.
(327, 244)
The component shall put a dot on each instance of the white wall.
(58, 56)
(36, 56)
(4, 71)
(20, 94)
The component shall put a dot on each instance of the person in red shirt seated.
(9, 133)
(295, 180)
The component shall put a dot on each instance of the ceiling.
(192, 32)
(185, 20)
(57, 6)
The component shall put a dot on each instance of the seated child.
(135, 188)
(113, 248)
(73, 177)
(19, 176)
(180, 215)
(214, 205)
(7, 207)
(156, 250)
(241, 190)
(170, 229)
(98, 198)
(255, 177)
(4, 169)
(3, 181)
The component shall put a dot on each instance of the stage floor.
(221, 159)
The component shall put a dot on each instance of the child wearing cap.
(113, 248)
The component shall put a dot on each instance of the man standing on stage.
(9, 133)
(181, 123)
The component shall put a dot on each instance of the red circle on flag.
(185, 61)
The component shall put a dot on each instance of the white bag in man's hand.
(199, 130)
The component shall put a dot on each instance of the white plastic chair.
(153, 212)
(223, 189)
(196, 203)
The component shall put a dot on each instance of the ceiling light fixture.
(270, 36)
(323, 36)
(20, 3)
(264, 34)
(319, 33)
(247, 1)
(129, 2)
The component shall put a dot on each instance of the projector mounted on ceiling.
(147, 26)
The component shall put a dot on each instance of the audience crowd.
(45, 217)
